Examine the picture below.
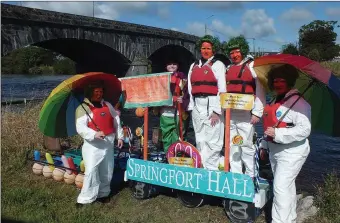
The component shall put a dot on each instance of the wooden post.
(146, 133)
(227, 140)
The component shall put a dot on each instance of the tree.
(319, 35)
(314, 55)
(64, 66)
(290, 49)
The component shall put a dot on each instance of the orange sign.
(148, 90)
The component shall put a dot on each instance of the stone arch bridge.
(120, 48)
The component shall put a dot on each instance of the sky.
(268, 25)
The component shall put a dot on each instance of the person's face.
(206, 50)
(97, 94)
(172, 67)
(280, 86)
(236, 56)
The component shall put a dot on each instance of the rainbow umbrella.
(319, 86)
(57, 116)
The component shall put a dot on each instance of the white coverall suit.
(240, 125)
(288, 155)
(98, 155)
(209, 140)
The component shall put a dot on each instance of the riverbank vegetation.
(34, 61)
(30, 198)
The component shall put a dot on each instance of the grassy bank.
(30, 198)
(333, 66)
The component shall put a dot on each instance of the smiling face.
(97, 94)
(236, 56)
(171, 67)
(207, 50)
(280, 86)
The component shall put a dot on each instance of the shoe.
(103, 200)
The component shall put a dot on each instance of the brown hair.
(89, 89)
(286, 71)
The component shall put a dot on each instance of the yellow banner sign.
(237, 101)
(182, 161)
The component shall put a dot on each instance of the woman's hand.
(214, 118)
(270, 131)
(180, 99)
(120, 143)
(254, 119)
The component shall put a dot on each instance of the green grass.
(31, 198)
(333, 66)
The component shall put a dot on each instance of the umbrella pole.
(227, 140)
(146, 126)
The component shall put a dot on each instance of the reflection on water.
(323, 158)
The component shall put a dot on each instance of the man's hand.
(120, 143)
(214, 118)
(254, 119)
(270, 131)
(99, 135)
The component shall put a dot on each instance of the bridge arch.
(171, 52)
(89, 55)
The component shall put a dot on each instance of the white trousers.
(286, 161)
(209, 140)
(98, 157)
(242, 150)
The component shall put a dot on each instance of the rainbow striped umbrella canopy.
(57, 116)
(323, 95)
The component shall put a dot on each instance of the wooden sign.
(237, 101)
(148, 90)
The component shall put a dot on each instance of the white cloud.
(174, 29)
(105, 10)
(296, 15)
(197, 28)
(223, 6)
(333, 12)
(256, 23)
(79, 8)
(163, 10)
(226, 30)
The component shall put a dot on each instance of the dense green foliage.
(290, 49)
(36, 60)
(316, 41)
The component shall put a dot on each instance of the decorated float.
(180, 169)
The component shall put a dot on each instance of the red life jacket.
(270, 115)
(175, 81)
(102, 118)
(203, 81)
(240, 80)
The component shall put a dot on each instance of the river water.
(324, 156)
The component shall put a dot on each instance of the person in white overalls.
(287, 143)
(206, 80)
(98, 123)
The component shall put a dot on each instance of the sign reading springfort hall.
(197, 180)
